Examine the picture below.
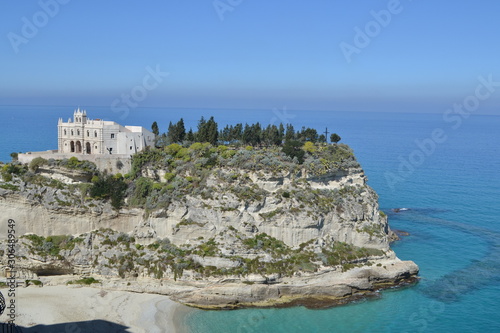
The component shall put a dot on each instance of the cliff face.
(293, 212)
(301, 228)
(352, 216)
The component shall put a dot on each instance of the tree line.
(252, 135)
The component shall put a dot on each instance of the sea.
(441, 171)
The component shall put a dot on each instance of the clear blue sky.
(264, 54)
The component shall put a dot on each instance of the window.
(95, 134)
(77, 132)
(64, 132)
(112, 135)
(72, 133)
(130, 147)
(88, 133)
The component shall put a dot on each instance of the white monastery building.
(98, 137)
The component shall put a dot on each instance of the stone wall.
(111, 163)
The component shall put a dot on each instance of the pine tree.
(335, 138)
(190, 136)
(155, 129)
(201, 136)
(180, 131)
(207, 131)
(212, 131)
(290, 132)
(281, 133)
(171, 133)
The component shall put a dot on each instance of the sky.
(396, 56)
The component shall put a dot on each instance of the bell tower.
(80, 117)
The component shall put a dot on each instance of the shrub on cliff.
(141, 189)
(294, 150)
(109, 187)
(36, 163)
(74, 163)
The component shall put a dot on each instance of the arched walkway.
(78, 147)
(72, 144)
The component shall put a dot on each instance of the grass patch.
(52, 245)
(9, 187)
(34, 283)
(86, 281)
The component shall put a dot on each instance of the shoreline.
(150, 305)
(88, 309)
(311, 302)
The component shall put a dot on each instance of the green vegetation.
(177, 132)
(372, 230)
(342, 253)
(10, 170)
(36, 163)
(74, 163)
(33, 282)
(270, 215)
(189, 222)
(52, 245)
(266, 243)
(155, 129)
(9, 187)
(187, 160)
(294, 150)
(335, 138)
(187, 169)
(268, 255)
(109, 187)
(208, 248)
(85, 281)
(240, 134)
(218, 166)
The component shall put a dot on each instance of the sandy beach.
(83, 309)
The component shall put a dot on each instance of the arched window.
(64, 132)
(95, 134)
(88, 133)
(77, 132)
(72, 133)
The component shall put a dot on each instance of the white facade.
(88, 137)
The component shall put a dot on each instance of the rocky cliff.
(213, 227)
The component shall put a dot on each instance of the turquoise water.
(453, 195)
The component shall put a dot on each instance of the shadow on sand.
(94, 326)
